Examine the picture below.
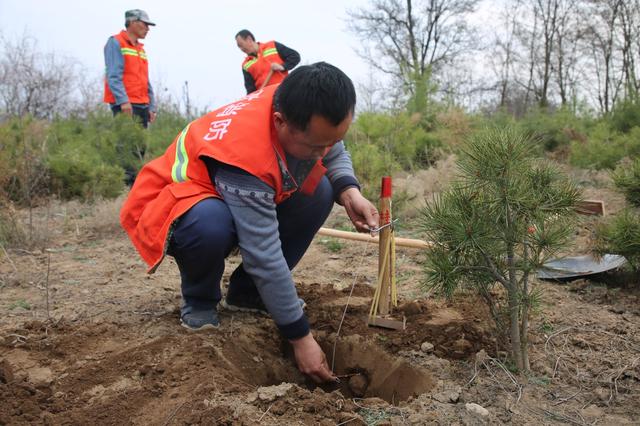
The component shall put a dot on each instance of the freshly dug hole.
(370, 372)
(367, 370)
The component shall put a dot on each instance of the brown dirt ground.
(105, 346)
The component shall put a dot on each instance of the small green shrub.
(625, 116)
(77, 171)
(620, 235)
(370, 164)
(89, 156)
(400, 135)
(11, 231)
(451, 129)
(552, 130)
(23, 149)
(20, 303)
(77, 157)
(603, 149)
(333, 245)
(626, 177)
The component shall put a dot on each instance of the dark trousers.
(205, 235)
(140, 114)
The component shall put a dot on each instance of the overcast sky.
(193, 40)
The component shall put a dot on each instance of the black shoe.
(249, 304)
(199, 320)
(244, 304)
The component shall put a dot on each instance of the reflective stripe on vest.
(248, 64)
(133, 52)
(269, 52)
(179, 169)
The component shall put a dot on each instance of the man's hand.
(276, 67)
(362, 213)
(152, 116)
(126, 108)
(311, 360)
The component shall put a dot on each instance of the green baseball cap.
(137, 15)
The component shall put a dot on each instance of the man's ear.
(279, 121)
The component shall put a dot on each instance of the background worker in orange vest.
(261, 174)
(266, 63)
(127, 88)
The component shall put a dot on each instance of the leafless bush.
(36, 83)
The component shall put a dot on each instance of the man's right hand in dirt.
(311, 359)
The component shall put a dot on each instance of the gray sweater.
(256, 224)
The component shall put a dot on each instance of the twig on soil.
(15, 270)
(46, 284)
(19, 338)
(265, 413)
(617, 336)
(555, 367)
(622, 370)
(347, 421)
(558, 416)
(475, 373)
(563, 400)
(346, 306)
(21, 250)
(551, 336)
(518, 386)
(590, 330)
(173, 414)
(95, 314)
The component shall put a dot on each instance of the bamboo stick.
(394, 289)
(384, 260)
(367, 238)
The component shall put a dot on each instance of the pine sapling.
(506, 214)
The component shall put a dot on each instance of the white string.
(355, 280)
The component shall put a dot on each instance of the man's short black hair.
(245, 34)
(316, 89)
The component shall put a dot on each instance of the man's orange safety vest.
(259, 66)
(240, 134)
(135, 75)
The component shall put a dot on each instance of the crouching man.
(261, 173)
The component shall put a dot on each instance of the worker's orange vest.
(259, 66)
(240, 134)
(135, 76)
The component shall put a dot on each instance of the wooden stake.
(386, 295)
(384, 254)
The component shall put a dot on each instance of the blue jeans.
(205, 235)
